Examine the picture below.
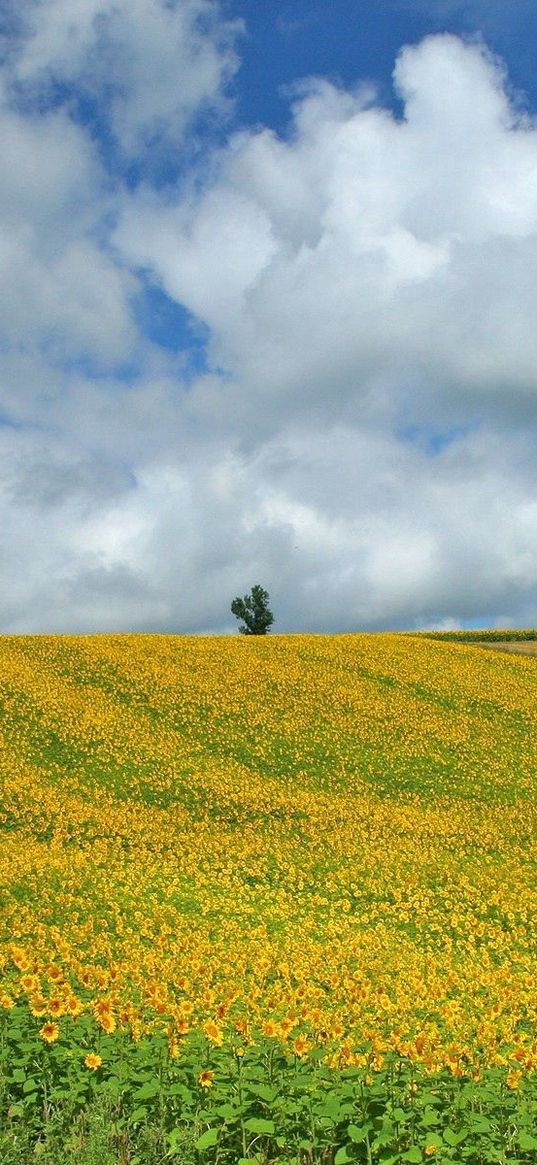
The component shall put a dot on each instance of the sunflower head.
(49, 1032)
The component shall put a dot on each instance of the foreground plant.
(136, 1103)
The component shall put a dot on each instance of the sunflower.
(38, 1005)
(30, 983)
(300, 1046)
(49, 1032)
(213, 1032)
(107, 1022)
(55, 1006)
(74, 1006)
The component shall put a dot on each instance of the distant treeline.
(478, 635)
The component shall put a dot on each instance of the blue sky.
(353, 40)
(268, 313)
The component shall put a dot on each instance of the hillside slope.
(333, 834)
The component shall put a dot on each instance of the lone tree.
(253, 609)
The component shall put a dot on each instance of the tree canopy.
(254, 611)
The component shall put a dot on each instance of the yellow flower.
(21, 960)
(107, 1022)
(55, 1006)
(213, 1032)
(74, 1006)
(49, 1032)
(30, 983)
(430, 1150)
(38, 1005)
(7, 1002)
(206, 1079)
(93, 1061)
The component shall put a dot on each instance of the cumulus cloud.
(366, 255)
(346, 530)
(59, 289)
(148, 65)
(361, 439)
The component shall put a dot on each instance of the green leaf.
(479, 1124)
(434, 1139)
(147, 1091)
(264, 1091)
(527, 1141)
(329, 1111)
(228, 1112)
(112, 1085)
(258, 1125)
(428, 1098)
(139, 1114)
(15, 1110)
(175, 1140)
(401, 1116)
(357, 1133)
(207, 1139)
(452, 1138)
(184, 1093)
(414, 1154)
(429, 1117)
(342, 1155)
(59, 1093)
(30, 1085)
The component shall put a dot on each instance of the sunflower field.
(267, 899)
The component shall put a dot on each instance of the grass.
(267, 899)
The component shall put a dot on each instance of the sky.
(268, 314)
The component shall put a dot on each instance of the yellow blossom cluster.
(318, 840)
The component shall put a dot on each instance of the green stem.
(243, 1130)
(365, 1118)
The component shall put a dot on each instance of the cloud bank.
(356, 428)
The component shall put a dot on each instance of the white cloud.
(149, 64)
(346, 530)
(363, 444)
(58, 286)
(379, 253)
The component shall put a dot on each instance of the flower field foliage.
(495, 634)
(267, 899)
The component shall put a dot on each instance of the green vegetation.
(261, 1107)
(478, 635)
(268, 901)
(255, 612)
